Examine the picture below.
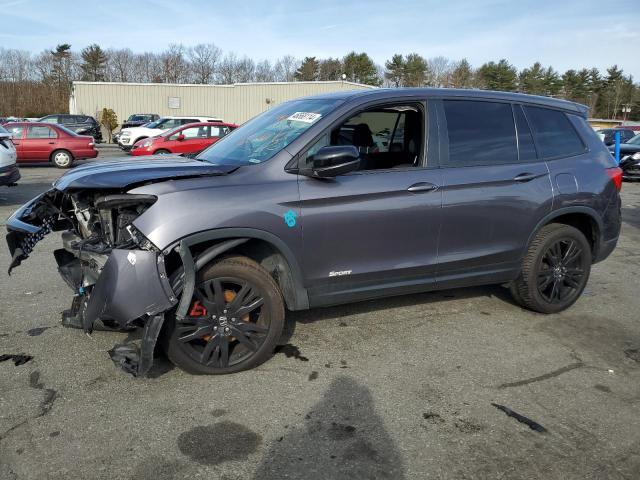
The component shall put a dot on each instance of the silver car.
(9, 173)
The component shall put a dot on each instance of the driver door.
(374, 231)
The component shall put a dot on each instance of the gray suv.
(327, 200)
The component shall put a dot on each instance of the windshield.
(139, 118)
(635, 140)
(267, 134)
(162, 123)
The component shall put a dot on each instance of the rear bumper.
(9, 174)
(92, 153)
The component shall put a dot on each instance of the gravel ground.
(395, 388)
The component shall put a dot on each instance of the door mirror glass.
(180, 137)
(332, 161)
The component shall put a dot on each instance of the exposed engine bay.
(103, 260)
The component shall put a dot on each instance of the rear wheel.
(234, 321)
(555, 270)
(62, 158)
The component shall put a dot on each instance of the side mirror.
(180, 138)
(330, 162)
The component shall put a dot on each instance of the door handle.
(526, 177)
(51, 143)
(422, 187)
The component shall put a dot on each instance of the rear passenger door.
(495, 190)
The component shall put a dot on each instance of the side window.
(554, 134)
(67, 119)
(480, 133)
(186, 121)
(40, 132)
(526, 148)
(387, 137)
(50, 119)
(15, 131)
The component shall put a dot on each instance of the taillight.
(615, 174)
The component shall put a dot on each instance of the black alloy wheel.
(234, 320)
(555, 269)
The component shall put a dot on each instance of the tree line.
(32, 85)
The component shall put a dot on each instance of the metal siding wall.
(233, 103)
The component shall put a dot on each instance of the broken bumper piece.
(118, 277)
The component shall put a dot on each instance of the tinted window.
(526, 147)
(40, 132)
(554, 134)
(50, 119)
(480, 133)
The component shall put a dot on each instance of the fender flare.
(565, 210)
(300, 296)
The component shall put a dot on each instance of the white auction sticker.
(306, 117)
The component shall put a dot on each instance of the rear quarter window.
(554, 135)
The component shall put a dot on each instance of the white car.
(9, 173)
(129, 136)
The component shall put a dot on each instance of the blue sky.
(564, 34)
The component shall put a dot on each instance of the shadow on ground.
(342, 438)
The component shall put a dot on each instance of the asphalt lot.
(395, 388)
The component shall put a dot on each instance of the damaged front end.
(118, 277)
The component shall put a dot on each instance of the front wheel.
(162, 151)
(555, 270)
(62, 158)
(234, 321)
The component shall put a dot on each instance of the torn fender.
(132, 284)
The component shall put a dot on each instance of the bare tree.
(204, 59)
(120, 65)
(227, 72)
(174, 64)
(285, 68)
(264, 72)
(438, 71)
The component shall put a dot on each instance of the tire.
(197, 344)
(161, 151)
(555, 270)
(62, 158)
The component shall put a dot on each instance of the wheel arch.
(583, 218)
(264, 247)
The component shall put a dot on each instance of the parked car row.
(129, 136)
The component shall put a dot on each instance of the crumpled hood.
(123, 172)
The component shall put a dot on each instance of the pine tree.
(94, 62)
(462, 75)
(359, 67)
(395, 68)
(308, 70)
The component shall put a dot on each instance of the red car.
(190, 138)
(41, 142)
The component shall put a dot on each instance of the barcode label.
(306, 117)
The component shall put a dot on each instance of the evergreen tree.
(308, 71)
(415, 71)
(498, 76)
(359, 67)
(394, 70)
(94, 62)
(462, 75)
(330, 69)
